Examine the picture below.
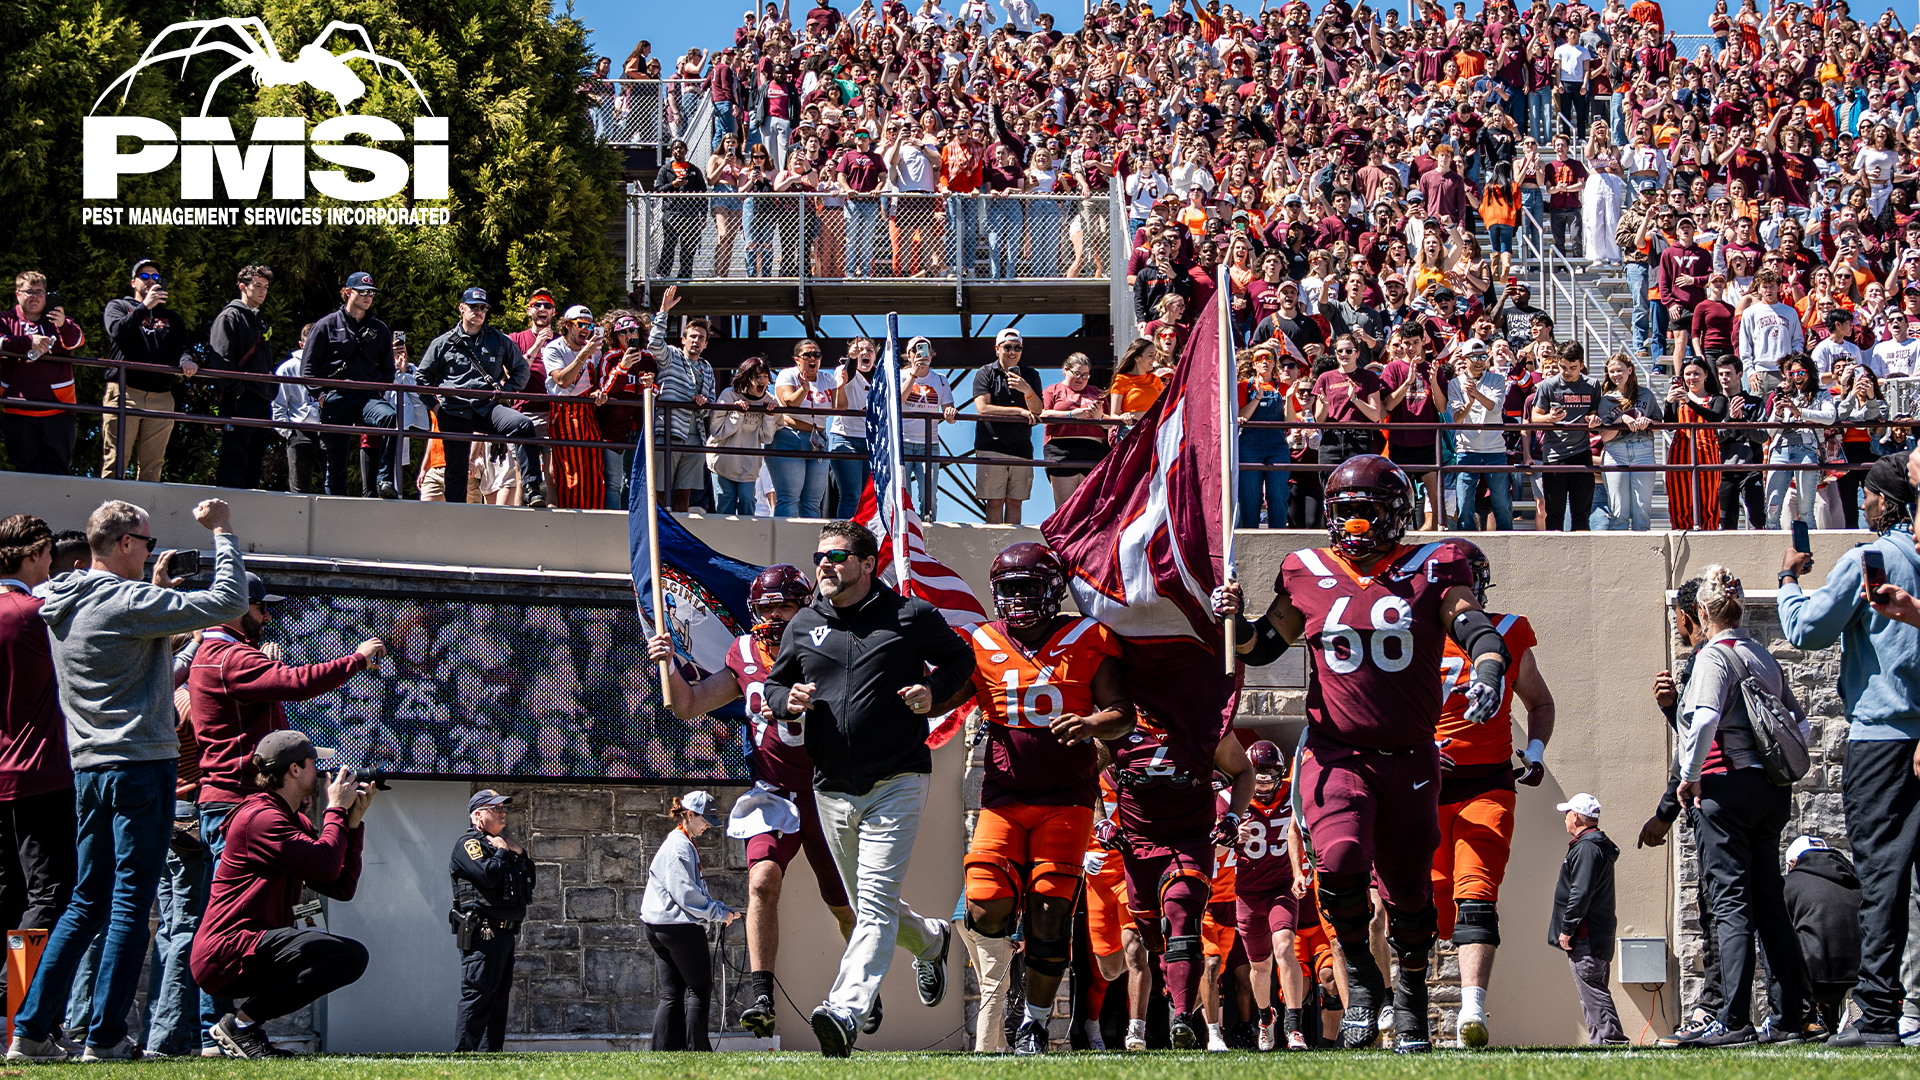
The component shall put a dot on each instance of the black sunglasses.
(836, 556)
(151, 542)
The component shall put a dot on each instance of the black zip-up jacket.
(1583, 897)
(493, 880)
(458, 360)
(340, 348)
(238, 340)
(858, 730)
(139, 336)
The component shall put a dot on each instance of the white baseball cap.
(701, 803)
(1802, 845)
(1583, 804)
(578, 311)
(1006, 335)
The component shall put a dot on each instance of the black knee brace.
(1186, 948)
(1477, 924)
(1048, 956)
(1347, 910)
(1411, 935)
(1006, 928)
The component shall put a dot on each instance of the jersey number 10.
(1346, 648)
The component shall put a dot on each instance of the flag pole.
(890, 371)
(653, 527)
(1229, 436)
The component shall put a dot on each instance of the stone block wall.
(584, 968)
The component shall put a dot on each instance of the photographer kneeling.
(248, 947)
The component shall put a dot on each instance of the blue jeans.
(173, 998)
(1043, 234)
(963, 227)
(732, 496)
(863, 228)
(1638, 279)
(1617, 118)
(619, 468)
(1466, 486)
(213, 833)
(849, 477)
(123, 826)
(762, 224)
(723, 123)
(1629, 494)
(1535, 205)
(799, 484)
(1540, 115)
(916, 470)
(1256, 482)
(1779, 480)
(1003, 237)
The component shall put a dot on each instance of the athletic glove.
(1483, 696)
(1226, 831)
(1221, 601)
(1106, 834)
(1532, 769)
(1446, 762)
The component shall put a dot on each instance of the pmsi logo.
(205, 144)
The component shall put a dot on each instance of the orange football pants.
(1476, 837)
(1019, 848)
(1107, 913)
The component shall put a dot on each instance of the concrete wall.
(1597, 601)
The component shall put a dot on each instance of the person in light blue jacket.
(1879, 681)
(674, 906)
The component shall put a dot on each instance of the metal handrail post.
(120, 438)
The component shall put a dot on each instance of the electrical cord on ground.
(727, 959)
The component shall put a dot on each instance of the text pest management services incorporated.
(271, 167)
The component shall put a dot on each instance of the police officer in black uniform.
(492, 880)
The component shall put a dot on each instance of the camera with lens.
(376, 777)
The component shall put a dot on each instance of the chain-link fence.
(652, 112)
(719, 235)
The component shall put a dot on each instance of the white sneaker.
(25, 1049)
(1216, 1039)
(1094, 1041)
(1473, 1029)
(1136, 1035)
(124, 1050)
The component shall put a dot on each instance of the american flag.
(887, 500)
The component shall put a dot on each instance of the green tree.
(532, 191)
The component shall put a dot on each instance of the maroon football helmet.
(1369, 506)
(1482, 567)
(781, 583)
(1265, 757)
(1029, 584)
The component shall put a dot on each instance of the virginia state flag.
(705, 592)
(1143, 538)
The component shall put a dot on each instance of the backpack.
(1779, 731)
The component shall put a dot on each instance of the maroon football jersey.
(1162, 795)
(779, 748)
(1265, 869)
(1374, 643)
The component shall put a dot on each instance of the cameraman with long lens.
(248, 947)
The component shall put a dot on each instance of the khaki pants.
(147, 435)
(871, 838)
(993, 966)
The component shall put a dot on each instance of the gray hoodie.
(111, 659)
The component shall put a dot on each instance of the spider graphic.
(314, 65)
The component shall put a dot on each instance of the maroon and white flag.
(1143, 539)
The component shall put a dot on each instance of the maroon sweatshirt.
(236, 694)
(33, 733)
(268, 857)
(45, 379)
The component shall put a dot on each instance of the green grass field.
(1782, 1064)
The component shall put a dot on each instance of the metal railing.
(1898, 390)
(801, 238)
(1574, 309)
(652, 113)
